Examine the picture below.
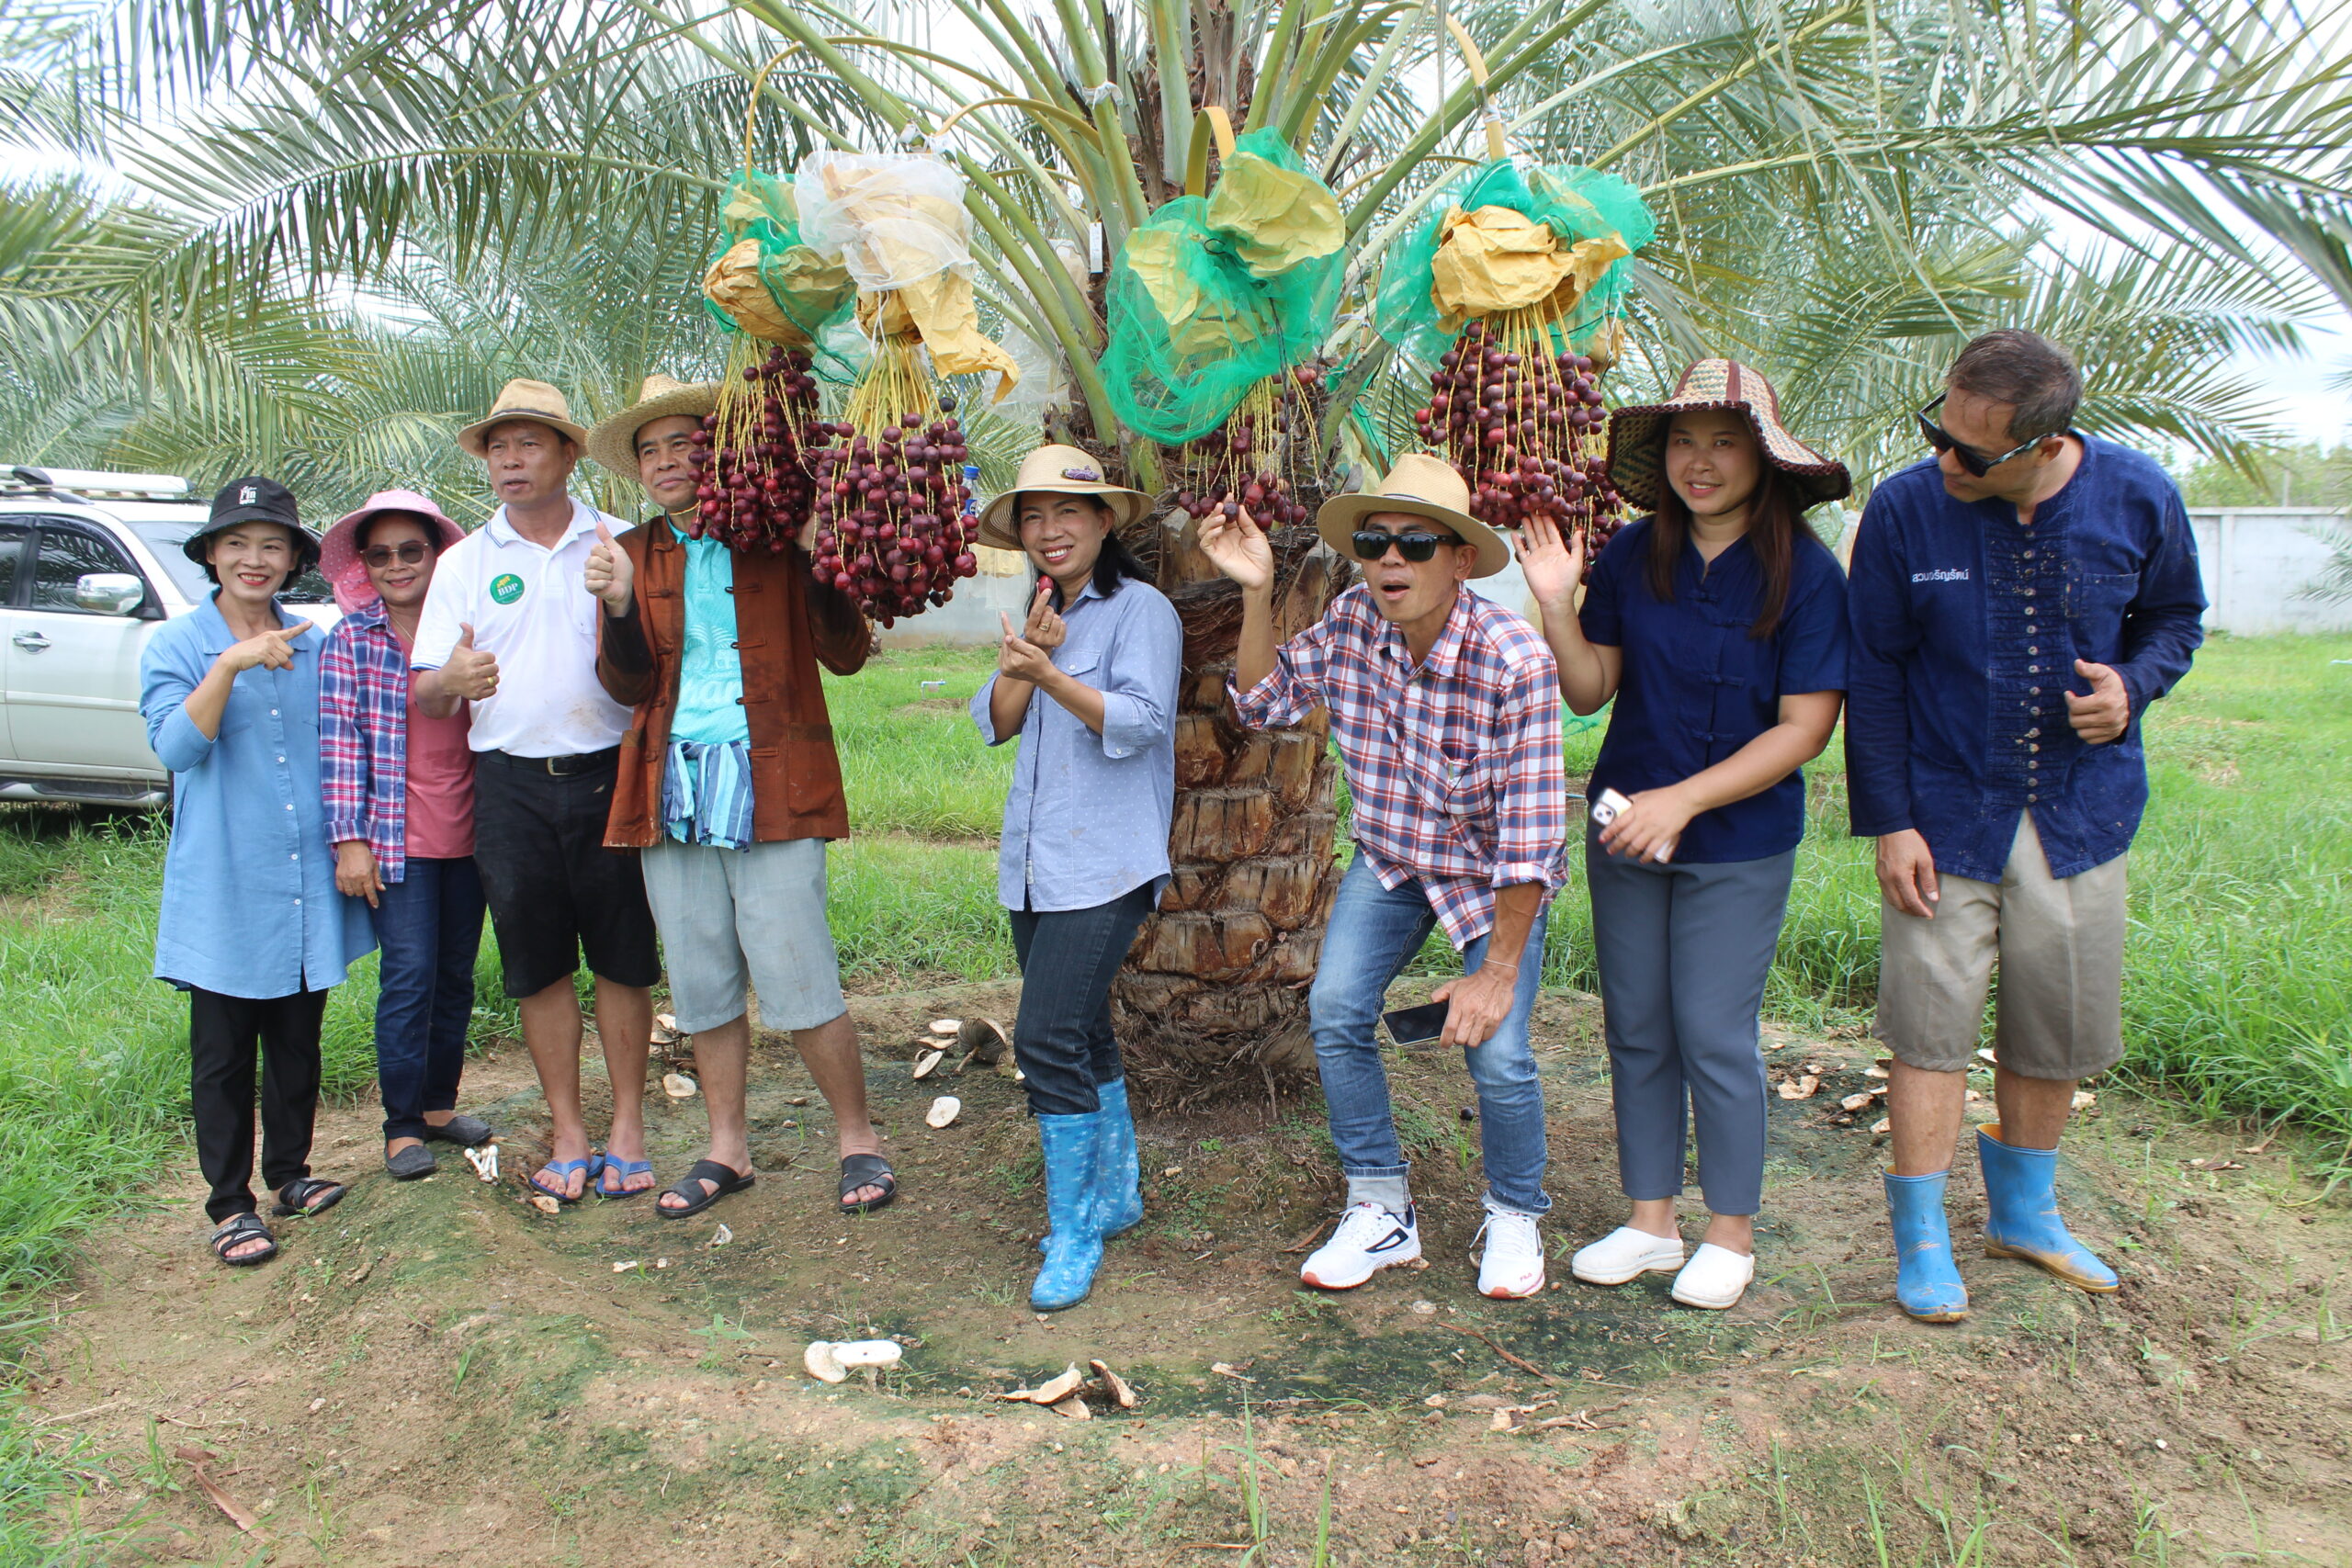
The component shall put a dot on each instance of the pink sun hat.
(339, 560)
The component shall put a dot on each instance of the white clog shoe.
(1626, 1253)
(1715, 1277)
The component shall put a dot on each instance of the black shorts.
(556, 893)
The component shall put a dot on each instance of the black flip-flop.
(294, 1198)
(866, 1170)
(729, 1180)
(238, 1229)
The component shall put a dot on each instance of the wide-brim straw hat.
(613, 442)
(1057, 470)
(1637, 445)
(339, 560)
(522, 399)
(1421, 485)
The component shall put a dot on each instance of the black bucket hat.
(254, 499)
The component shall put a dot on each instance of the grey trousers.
(1683, 952)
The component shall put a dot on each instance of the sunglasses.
(1937, 436)
(1371, 543)
(408, 552)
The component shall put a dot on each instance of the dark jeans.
(428, 928)
(221, 1034)
(1062, 1036)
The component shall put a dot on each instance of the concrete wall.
(2259, 560)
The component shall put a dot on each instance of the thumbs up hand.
(471, 673)
(610, 574)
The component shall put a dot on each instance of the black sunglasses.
(1371, 543)
(1937, 436)
(408, 552)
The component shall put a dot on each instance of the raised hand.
(1552, 565)
(471, 673)
(1020, 659)
(1044, 628)
(2106, 713)
(610, 575)
(1236, 547)
(269, 650)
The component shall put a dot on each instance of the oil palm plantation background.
(315, 237)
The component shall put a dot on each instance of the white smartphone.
(1606, 806)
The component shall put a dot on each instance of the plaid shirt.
(1454, 764)
(363, 736)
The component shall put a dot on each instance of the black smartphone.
(1417, 1026)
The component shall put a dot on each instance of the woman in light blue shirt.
(252, 926)
(1089, 685)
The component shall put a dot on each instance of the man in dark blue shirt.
(2017, 603)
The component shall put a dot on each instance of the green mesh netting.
(1212, 295)
(789, 293)
(1575, 202)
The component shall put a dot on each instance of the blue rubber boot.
(1118, 1190)
(2022, 1214)
(1927, 1283)
(1074, 1244)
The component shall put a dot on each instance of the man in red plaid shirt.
(1445, 707)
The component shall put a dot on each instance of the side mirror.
(110, 592)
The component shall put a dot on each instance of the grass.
(2238, 998)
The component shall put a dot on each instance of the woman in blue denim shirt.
(1718, 624)
(1089, 685)
(252, 926)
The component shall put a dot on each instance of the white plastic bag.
(892, 219)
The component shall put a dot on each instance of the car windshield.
(165, 537)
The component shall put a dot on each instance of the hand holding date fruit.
(1044, 628)
(1237, 547)
(2106, 713)
(610, 575)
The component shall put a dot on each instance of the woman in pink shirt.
(400, 797)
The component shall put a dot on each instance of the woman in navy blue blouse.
(1718, 624)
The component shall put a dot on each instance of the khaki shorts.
(2059, 944)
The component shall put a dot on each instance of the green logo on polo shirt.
(506, 588)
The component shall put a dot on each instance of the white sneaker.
(1715, 1277)
(1511, 1269)
(1369, 1239)
(1626, 1253)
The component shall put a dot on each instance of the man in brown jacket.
(730, 784)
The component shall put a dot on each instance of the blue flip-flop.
(614, 1165)
(592, 1164)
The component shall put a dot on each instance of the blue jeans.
(1375, 933)
(428, 928)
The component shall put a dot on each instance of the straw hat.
(613, 443)
(1421, 485)
(522, 399)
(1636, 446)
(339, 560)
(1057, 470)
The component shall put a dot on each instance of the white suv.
(90, 565)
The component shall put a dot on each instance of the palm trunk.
(1214, 994)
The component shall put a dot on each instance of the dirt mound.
(436, 1373)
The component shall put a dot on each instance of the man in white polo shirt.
(509, 626)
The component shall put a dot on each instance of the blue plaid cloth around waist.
(707, 793)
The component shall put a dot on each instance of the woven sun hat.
(613, 442)
(522, 399)
(1636, 435)
(1057, 470)
(1421, 485)
(339, 560)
